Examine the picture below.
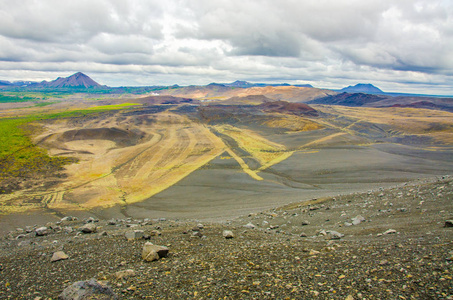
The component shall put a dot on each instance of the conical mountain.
(77, 80)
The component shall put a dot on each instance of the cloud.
(323, 42)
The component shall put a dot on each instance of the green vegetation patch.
(20, 158)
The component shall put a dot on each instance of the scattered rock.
(124, 274)
(59, 255)
(228, 234)
(84, 290)
(153, 252)
(88, 228)
(41, 231)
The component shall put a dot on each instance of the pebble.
(124, 274)
(90, 289)
(59, 255)
(228, 234)
(41, 231)
(153, 252)
(88, 228)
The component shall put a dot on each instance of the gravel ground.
(383, 244)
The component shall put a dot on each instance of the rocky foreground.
(385, 244)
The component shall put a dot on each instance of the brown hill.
(288, 108)
(165, 100)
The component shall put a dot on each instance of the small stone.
(123, 274)
(357, 220)
(200, 226)
(59, 255)
(88, 228)
(313, 252)
(349, 297)
(111, 222)
(305, 222)
(155, 233)
(384, 262)
(41, 231)
(68, 218)
(448, 223)
(132, 235)
(347, 224)
(303, 234)
(322, 232)
(334, 235)
(228, 234)
(91, 289)
(153, 252)
(91, 220)
(196, 234)
(390, 231)
(249, 226)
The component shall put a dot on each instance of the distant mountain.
(4, 83)
(369, 100)
(77, 80)
(366, 88)
(246, 84)
(347, 99)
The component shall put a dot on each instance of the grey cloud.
(75, 21)
(200, 41)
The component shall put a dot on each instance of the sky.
(397, 45)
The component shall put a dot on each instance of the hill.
(77, 80)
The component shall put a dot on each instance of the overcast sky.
(398, 45)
